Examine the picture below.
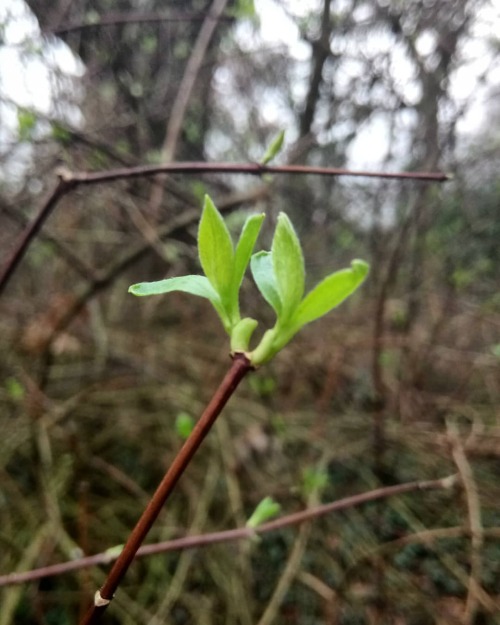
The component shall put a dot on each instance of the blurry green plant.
(184, 424)
(26, 124)
(266, 509)
(279, 275)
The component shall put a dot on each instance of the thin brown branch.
(239, 368)
(251, 169)
(69, 180)
(474, 588)
(184, 92)
(29, 233)
(244, 533)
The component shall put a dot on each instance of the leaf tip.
(360, 268)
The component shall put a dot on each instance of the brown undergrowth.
(79, 459)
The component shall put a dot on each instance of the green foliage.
(314, 480)
(26, 123)
(274, 148)
(244, 9)
(279, 275)
(264, 511)
(184, 424)
(263, 385)
(495, 350)
(60, 134)
(14, 388)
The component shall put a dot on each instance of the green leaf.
(288, 264)
(264, 511)
(196, 285)
(114, 552)
(245, 246)
(215, 249)
(184, 424)
(274, 148)
(330, 292)
(262, 269)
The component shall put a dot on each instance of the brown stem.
(239, 368)
(252, 169)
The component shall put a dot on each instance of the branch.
(243, 533)
(239, 368)
(475, 523)
(70, 180)
(183, 97)
(251, 169)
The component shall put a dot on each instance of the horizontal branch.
(190, 542)
(251, 169)
(69, 180)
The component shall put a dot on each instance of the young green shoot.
(280, 278)
(279, 275)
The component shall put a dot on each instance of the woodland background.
(401, 383)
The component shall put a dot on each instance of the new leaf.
(288, 265)
(215, 249)
(330, 292)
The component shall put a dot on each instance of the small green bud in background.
(184, 424)
(265, 510)
(274, 148)
(15, 390)
(314, 480)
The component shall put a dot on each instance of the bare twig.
(252, 169)
(475, 523)
(286, 578)
(30, 232)
(70, 180)
(244, 533)
(184, 92)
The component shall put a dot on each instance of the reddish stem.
(239, 368)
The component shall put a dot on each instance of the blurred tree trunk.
(135, 63)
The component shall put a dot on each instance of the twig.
(31, 230)
(184, 92)
(476, 527)
(286, 578)
(69, 180)
(252, 169)
(204, 498)
(239, 368)
(244, 533)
